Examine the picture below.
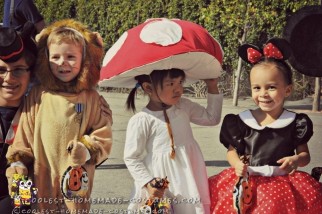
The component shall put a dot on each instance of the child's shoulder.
(140, 119)
(300, 116)
(236, 120)
(35, 90)
(231, 116)
(91, 92)
(141, 115)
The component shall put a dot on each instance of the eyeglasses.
(18, 72)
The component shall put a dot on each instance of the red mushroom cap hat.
(159, 44)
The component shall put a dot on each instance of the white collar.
(285, 119)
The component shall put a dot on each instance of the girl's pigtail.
(130, 102)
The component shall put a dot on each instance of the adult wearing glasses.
(17, 56)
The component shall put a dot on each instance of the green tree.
(231, 22)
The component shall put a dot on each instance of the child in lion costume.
(62, 135)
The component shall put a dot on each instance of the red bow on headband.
(270, 51)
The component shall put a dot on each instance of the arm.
(235, 162)
(20, 152)
(212, 85)
(301, 159)
(134, 149)
(29, 11)
(40, 25)
(209, 116)
(105, 109)
(22, 147)
(304, 131)
(99, 140)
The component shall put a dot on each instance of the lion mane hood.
(90, 70)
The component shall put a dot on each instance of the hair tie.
(137, 85)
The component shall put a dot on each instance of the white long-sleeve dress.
(147, 154)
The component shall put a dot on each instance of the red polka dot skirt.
(297, 193)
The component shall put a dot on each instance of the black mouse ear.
(283, 46)
(250, 53)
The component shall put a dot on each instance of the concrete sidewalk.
(113, 183)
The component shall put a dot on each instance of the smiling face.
(12, 88)
(65, 60)
(269, 88)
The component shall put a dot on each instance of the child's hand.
(77, 153)
(153, 191)
(212, 85)
(289, 164)
(240, 169)
(21, 170)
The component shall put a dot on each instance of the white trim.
(266, 170)
(286, 118)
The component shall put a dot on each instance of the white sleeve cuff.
(88, 155)
(17, 163)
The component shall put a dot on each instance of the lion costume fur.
(50, 121)
(89, 75)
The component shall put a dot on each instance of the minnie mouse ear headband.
(275, 48)
(13, 44)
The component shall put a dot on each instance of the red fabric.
(297, 193)
(271, 51)
(195, 39)
(253, 55)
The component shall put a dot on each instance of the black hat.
(304, 33)
(11, 45)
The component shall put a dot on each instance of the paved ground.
(113, 183)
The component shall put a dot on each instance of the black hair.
(156, 78)
(281, 66)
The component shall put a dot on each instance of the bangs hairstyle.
(66, 35)
(156, 78)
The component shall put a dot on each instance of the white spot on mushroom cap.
(162, 32)
(114, 49)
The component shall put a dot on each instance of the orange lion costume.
(57, 113)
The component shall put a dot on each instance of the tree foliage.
(226, 20)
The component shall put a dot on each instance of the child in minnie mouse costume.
(266, 145)
(62, 135)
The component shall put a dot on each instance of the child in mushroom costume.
(161, 55)
(61, 124)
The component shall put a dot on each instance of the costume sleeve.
(208, 116)
(98, 137)
(304, 129)
(137, 133)
(28, 10)
(22, 147)
(232, 133)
